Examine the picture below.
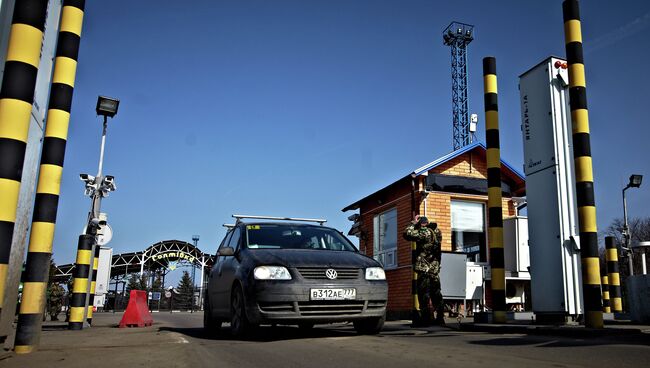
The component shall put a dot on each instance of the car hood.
(312, 258)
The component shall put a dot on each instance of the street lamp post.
(635, 182)
(195, 239)
(99, 186)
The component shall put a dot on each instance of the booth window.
(468, 229)
(385, 238)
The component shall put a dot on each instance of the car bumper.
(287, 302)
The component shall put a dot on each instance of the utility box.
(103, 276)
(556, 284)
(515, 245)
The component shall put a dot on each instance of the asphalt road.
(399, 346)
(178, 340)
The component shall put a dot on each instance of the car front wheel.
(239, 324)
(369, 326)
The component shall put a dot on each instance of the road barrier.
(137, 312)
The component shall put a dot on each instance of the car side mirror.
(226, 252)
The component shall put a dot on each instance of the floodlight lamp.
(107, 106)
(635, 181)
(459, 31)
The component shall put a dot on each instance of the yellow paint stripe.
(616, 304)
(614, 279)
(25, 44)
(77, 314)
(80, 285)
(498, 279)
(491, 119)
(611, 254)
(493, 157)
(580, 121)
(490, 83)
(607, 310)
(83, 257)
(572, 32)
(604, 280)
(416, 302)
(591, 271)
(24, 349)
(494, 197)
(96, 263)
(587, 219)
(495, 237)
(89, 314)
(71, 20)
(49, 180)
(65, 70)
(577, 75)
(14, 119)
(42, 236)
(9, 190)
(57, 124)
(3, 279)
(584, 170)
(594, 319)
(92, 287)
(605, 295)
(33, 299)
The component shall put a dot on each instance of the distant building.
(451, 191)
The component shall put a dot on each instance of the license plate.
(333, 294)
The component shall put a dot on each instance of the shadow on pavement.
(565, 342)
(261, 334)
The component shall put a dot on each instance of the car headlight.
(271, 273)
(375, 273)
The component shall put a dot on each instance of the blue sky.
(299, 108)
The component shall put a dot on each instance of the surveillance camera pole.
(626, 233)
(95, 208)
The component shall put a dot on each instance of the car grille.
(320, 308)
(330, 308)
(319, 273)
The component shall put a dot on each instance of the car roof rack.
(240, 217)
(229, 226)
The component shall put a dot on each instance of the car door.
(228, 271)
(214, 280)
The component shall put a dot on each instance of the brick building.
(451, 191)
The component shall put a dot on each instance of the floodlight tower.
(458, 35)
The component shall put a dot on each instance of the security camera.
(94, 221)
(87, 178)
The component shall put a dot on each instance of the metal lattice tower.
(458, 35)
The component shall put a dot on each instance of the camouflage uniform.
(427, 265)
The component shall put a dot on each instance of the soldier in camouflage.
(428, 239)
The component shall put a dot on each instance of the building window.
(385, 238)
(468, 229)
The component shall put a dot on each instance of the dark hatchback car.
(270, 272)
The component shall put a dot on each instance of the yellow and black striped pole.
(606, 306)
(593, 308)
(415, 310)
(80, 281)
(16, 97)
(93, 283)
(495, 214)
(611, 256)
(37, 267)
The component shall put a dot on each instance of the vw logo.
(330, 273)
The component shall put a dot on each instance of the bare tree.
(639, 231)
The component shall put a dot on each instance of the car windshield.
(281, 236)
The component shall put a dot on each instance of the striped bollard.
(495, 211)
(611, 255)
(80, 282)
(93, 283)
(16, 97)
(49, 181)
(593, 308)
(606, 305)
